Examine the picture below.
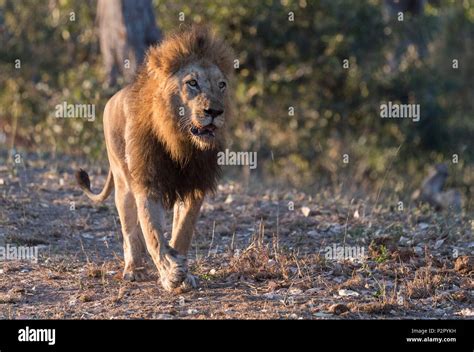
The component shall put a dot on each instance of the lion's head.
(179, 104)
(191, 71)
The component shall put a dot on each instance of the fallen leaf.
(306, 211)
(464, 264)
(466, 312)
(229, 199)
(338, 308)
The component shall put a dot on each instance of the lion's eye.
(192, 83)
(222, 85)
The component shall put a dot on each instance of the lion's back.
(116, 117)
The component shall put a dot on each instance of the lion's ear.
(201, 41)
(153, 63)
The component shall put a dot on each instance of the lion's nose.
(213, 112)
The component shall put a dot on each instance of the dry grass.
(248, 264)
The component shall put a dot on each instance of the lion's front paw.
(138, 274)
(173, 271)
(188, 284)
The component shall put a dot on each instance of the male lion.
(163, 133)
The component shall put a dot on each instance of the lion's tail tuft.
(83, 179)
(84, 182)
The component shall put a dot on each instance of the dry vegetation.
(253, 256)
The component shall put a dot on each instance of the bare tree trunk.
(126, 29)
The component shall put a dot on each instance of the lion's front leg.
(171, 266)
(184, 221)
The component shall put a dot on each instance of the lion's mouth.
(204, 132)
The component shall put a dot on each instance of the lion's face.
(201, 93)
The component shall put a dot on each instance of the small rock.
(295, 291)
(212, 272)
(348, 293)
(312, 291)
(293, 270)
(192, 311)
(423, 226)
(271, 263)
(403, 241)
(229, 199)
(272, 296)
(438, 244)
(418, 250)
(322, 315)
(335, 229)
(164, 317)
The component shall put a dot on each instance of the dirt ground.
(257, 255)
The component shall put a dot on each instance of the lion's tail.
(83, 180)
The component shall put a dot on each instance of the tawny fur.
(156, 161)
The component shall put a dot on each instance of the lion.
(162, 134)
